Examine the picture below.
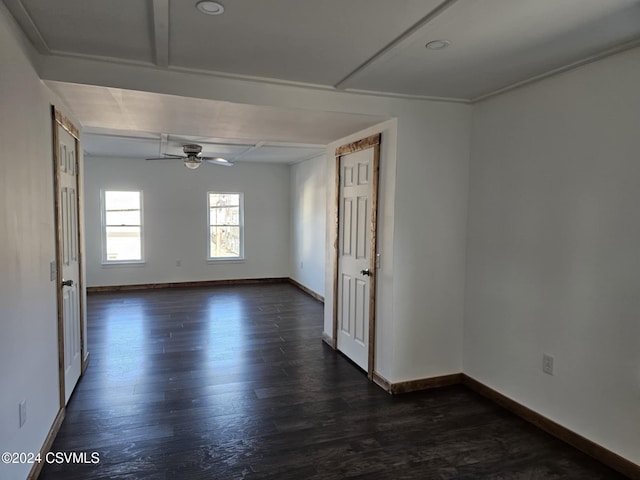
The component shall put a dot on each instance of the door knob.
(67, 283)
(366, 272)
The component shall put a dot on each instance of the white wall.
(554, 249)
(28, 319)
(308, 223)
(430, 240)
(175, 219)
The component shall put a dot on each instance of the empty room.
(319, 240)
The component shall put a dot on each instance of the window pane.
(123, 243)
(123, 217)
(224, 242)
(224, 199)
(225, 225)
(122, 200)
(224, 216)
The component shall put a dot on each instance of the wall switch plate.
(178, 263)
(53, 271)
(22, 412)
(547, 363)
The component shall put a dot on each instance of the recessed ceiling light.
(438, 44)
(210, 8)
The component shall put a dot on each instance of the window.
(121, 227)
(225, 226)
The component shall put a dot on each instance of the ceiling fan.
(192, 158)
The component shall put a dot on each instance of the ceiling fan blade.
(217, 161)
(168, 156)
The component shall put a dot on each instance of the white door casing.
(68, 255)
(356, 226)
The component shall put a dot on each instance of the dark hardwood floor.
(235, 382)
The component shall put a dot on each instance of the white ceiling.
(360, 45)
(100, 143)
(498, 43)
(126, 123)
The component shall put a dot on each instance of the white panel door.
(354, 255)
(69, 255)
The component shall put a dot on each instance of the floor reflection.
(124, 347)
(226, 329)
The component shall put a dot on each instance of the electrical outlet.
(22, 412)
(547, 363)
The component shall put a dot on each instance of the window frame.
(103, 229)
(240, 225)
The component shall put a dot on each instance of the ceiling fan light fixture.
(210, 8)
(192, 162)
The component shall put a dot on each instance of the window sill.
(124, 264)
(213, 261)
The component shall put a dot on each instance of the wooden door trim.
(372, 260)
(60, 120)
(65, 123)
(372, 141)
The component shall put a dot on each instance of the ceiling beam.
(399, 42)
(160, 14)
(253, 148)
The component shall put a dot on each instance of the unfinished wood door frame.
(372, 141)
(59, 120)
